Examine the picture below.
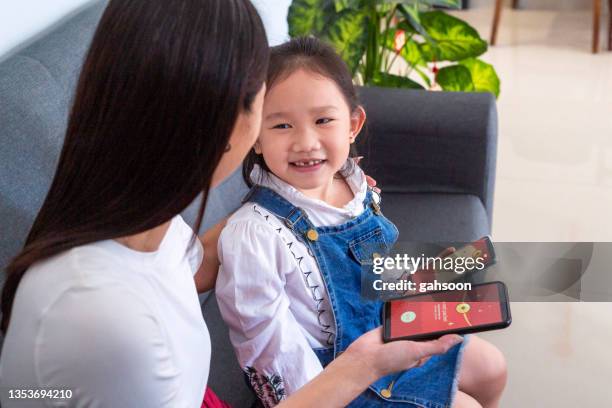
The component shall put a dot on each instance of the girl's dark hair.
(159, 93)
(310, 54)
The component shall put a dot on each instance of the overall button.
(386, 392)
(376, 208)
(312, 235)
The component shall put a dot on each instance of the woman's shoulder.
(88, 270)
(67, 291)
(100, 261)
(72, 268)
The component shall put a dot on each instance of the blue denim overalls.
(340, 251)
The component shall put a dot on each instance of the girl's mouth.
(307, 165)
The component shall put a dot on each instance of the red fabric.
(212, 401)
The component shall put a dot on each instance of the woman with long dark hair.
(101, 300)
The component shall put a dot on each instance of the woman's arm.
(206, 276)
(366, 360)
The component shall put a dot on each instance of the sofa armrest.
(430, 142)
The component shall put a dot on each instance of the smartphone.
(469, 258)
(430, 315)
(481, 249)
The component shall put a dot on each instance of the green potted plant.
(401, 43)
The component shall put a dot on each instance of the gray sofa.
(432, 153)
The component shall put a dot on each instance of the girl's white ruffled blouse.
(269, 288)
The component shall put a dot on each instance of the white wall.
(21, 21)
(274, 16)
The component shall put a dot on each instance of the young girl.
(289, 282)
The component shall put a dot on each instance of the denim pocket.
(369, 246)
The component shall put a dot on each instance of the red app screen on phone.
(445, 311)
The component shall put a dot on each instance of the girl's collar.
(356, 181)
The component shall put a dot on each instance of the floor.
(554, 183)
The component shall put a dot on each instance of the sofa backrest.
(36, 89)
(429, 142)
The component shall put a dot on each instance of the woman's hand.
(385, 358)
(206, 276)
(365, 361)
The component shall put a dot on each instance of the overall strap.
(294, 217)
(371, 201)
(369, 197)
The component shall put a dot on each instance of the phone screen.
(446, 311)
(480, 251)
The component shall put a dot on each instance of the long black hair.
(156, 102)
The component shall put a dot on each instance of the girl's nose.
(306, 141)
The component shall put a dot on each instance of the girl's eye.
(282, 126)
(323, 121)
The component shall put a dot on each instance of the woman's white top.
(117, 327)
(270, 290)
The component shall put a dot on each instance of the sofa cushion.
(428, 217)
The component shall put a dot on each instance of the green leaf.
(345, 31)
(423, 76)
(484, 77)
(411, 52)
(454, 39)
(455, 78)
(395, 81)
(406, 26)
(309, 17)
(426, 3)
(348, 35)
(444, 3)
(347, 4)
(413, 20)
(340, 5)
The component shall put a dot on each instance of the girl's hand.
(371, 182)
(381, 359)
(206, 276)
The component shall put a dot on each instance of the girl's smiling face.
(307, 131)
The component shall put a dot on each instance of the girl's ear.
(257, 147)
(358, 118)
